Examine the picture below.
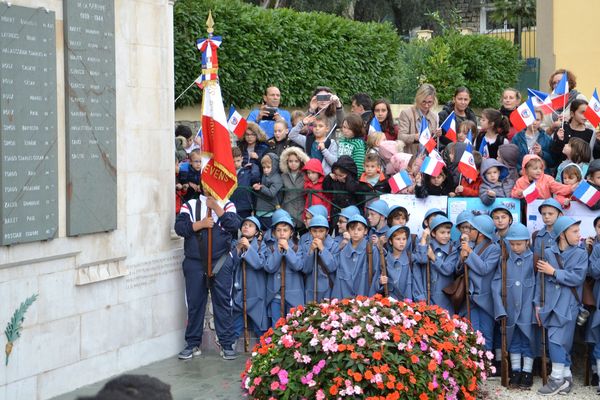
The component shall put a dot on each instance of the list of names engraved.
(28, 133)
(90, 116)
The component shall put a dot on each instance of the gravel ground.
(492, 390)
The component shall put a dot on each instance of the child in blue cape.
(399, 263)
(320, 254)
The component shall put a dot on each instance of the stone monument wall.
(86, 158)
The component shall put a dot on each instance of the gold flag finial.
(210, 23)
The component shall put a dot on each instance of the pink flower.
(423, 346)
(361, 342)
(257, 380)
(274, 385)
(445, 375)
(283, 377)
(320, 394)
(287, 341)
(275, 370)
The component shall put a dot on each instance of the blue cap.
(254, 220)
(439, 220)
(395, 228)
(517, 231)
(484, 225)
(358, 218)
(285, 219)
(349, 211)
(430, 212)
(502, 207)
(380, 207)
(563, 223)
(318, 221)
(550, 203)
(397, 207)
(318, 209)
(464, 216)
(279, 212)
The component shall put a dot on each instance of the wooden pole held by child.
(245, 310)
(383, 269)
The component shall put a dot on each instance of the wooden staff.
(282, 267)
(383, 268)
(428, 279)
(504, 361)
(370, 262)
(466, 277)
(542, 278)
(209, 255)
(316, 275)
(246, 332)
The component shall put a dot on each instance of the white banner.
(577, 210)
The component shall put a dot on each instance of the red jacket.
(470, 189)
(312, 199)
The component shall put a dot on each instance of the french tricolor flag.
(540, 100)
(236, 123)
(425, 136)
(466, 165)
(375, 126)
(449, 126)
(523, 116)
(592, 112)
(531, 193)
(560, 93)
(433, 164)
(399, 181)
(587, 194)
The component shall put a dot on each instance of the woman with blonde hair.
(410, 119)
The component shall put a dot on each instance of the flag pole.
(538, 97)
(186, 89)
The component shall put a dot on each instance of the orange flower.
(412, 380)
(333, 390)
(385, 368)
(423, 396)
(414, 359)
(393, 396)
(354, 355)
(402, 370)
(389, 385)
(368, 375)
(341, 347)
(400, 386)
(357, 377)
(377, 355)
(432, 366)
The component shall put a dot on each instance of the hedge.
(297, 51)
(294, 51)
(484, 64)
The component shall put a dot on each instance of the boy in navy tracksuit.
(352, 276)
(283, 252)
(323, 247)
(250, 253)
(247, 175)
(564, 270)
(399, 277)
(519, 313)
(192, 223)
(442, 258)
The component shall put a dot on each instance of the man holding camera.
(270, 112)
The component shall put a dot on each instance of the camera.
(270, 112)
(324, 97)
(583, 316)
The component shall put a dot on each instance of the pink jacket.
(546, 185)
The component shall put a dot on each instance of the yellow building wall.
(528, 38)
(567, 35)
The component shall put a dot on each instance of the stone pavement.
(204, 377)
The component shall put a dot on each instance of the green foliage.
(484, 64)
(294, 51)
(13, 328)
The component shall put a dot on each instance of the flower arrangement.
(371, 348)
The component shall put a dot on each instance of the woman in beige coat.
(409, 121)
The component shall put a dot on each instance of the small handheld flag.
(433, 164)
(375, 126)
(449, 126)
(560, 93)
(523, 116)
(587, 194)
(483, 148)
(592, 112)
(531, 193)
(470, 137)
(399, 181)
(425, 136)
(540, 100)
(236, 123)
(466, 165)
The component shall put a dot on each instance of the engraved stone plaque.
(90, 110)
(28, 133)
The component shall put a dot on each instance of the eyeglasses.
(427, 102)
